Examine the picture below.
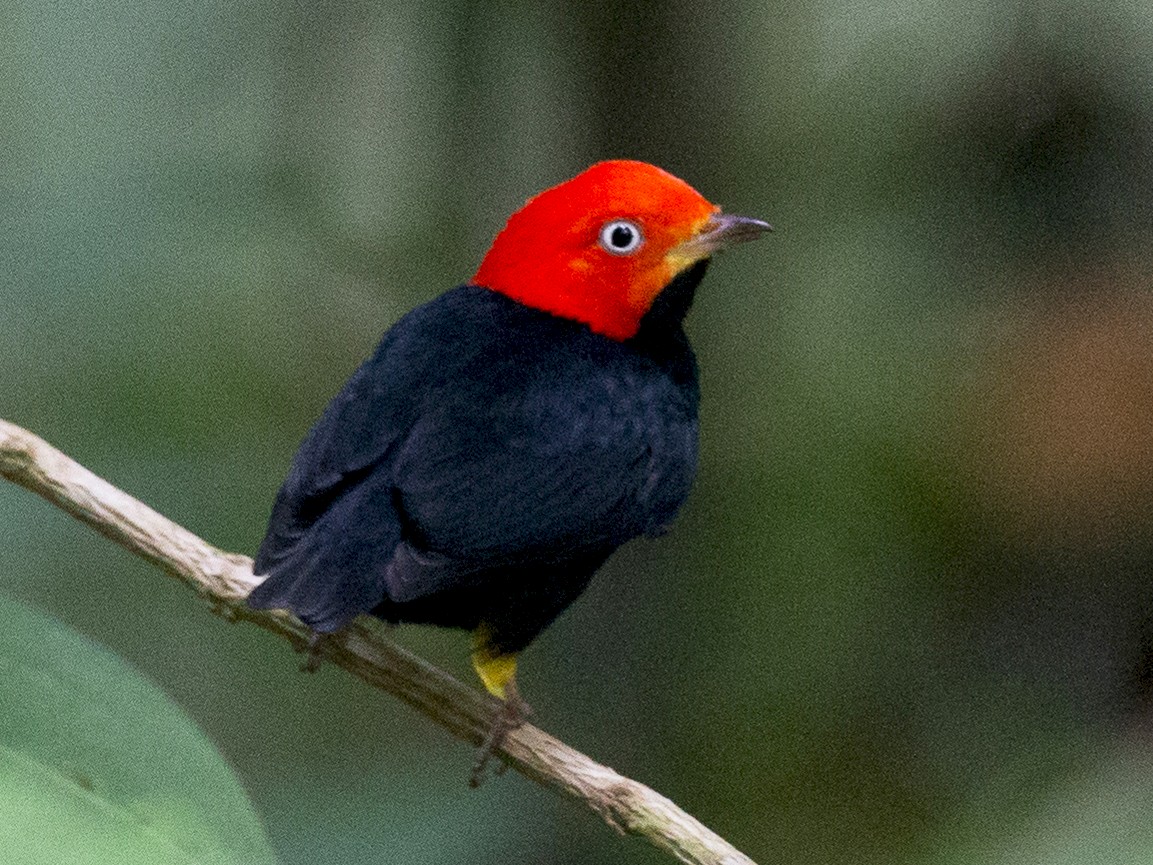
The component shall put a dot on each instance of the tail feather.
(333, 570)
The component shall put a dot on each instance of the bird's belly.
(514, 602)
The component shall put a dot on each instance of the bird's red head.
(600, 247)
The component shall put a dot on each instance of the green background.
(904, 616)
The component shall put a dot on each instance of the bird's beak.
(723, 230)
(719, 231)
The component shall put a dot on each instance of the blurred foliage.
(905, 616)
(98, 766)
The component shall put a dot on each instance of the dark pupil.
(621, 237)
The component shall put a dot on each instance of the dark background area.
(905, 614)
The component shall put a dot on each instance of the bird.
(505, 438)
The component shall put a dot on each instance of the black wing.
(334, 524)
(583, 453)
(481, 433)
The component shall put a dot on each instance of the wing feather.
(480, 434)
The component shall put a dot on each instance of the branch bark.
(225, 579)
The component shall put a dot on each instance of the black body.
(482, 464)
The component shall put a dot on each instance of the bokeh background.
(905, 616)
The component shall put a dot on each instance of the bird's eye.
(620, 237)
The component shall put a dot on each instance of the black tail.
(332, 570)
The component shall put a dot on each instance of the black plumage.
(482, 464)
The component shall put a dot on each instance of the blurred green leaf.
(97, 765)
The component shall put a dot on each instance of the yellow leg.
(497, 671)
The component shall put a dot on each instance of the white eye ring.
(621, 237)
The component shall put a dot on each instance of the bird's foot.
(513, 712)
(313, 648)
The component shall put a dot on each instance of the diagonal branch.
(225, 579)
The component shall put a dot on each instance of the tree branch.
(225, 579)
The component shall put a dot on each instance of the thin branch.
(225, 579)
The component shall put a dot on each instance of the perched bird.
(505, 438)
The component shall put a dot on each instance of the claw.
(314, 649)
(513, 713)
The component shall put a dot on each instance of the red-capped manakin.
(505, 438)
